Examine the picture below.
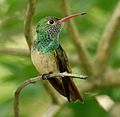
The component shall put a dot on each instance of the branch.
(19, 89)
(82, 52)
(28, 22)
(107, 41)
(64, 74)
(34, 80)
(14, 51)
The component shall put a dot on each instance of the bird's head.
(49, 25)
(48, 30)
(53, 25)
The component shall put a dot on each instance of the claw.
(45, 76)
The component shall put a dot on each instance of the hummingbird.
(48, 56)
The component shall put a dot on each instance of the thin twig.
(34, 80)
(28, 22)
(82, 52)
(14, 51)
(59, 75)
(107, 41)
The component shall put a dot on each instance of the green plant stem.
(28, 22)
(107, 41)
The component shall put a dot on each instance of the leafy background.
(16, 69)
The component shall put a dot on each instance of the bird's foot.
(46, 76)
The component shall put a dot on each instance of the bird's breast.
(44, 62)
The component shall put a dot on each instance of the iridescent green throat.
(47, 41)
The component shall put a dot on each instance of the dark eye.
(51, 22)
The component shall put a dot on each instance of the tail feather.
(66, 87)
(74, 92)
(70, 92)
(66, 81)
(57, 85)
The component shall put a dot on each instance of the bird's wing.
(70, 88)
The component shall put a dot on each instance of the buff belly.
(44, 62)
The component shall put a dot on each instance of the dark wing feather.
(71, 90)
(62, 63)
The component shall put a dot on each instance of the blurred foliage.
(89, 109)
(14, 70)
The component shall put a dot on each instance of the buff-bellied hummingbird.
(48, 55)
